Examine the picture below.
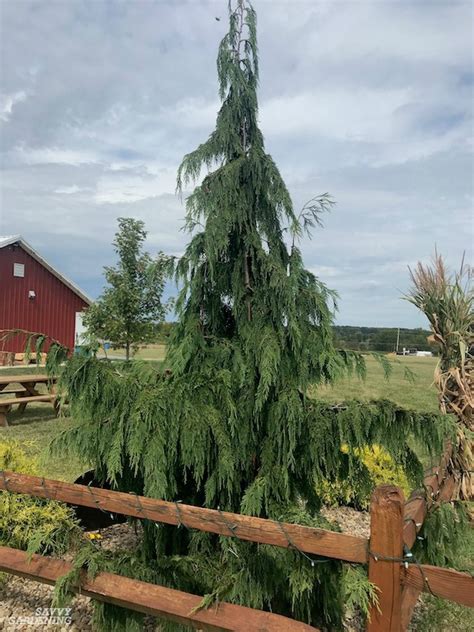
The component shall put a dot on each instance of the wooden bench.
(6, 404)
(31, 358)
(19, 392)
(24, 389)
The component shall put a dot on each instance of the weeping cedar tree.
(229, 424)
(130, 309)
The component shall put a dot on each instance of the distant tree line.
(382, 338)
(358, 338)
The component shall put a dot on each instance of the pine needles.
(444, 530)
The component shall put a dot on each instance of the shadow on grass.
(31, 415)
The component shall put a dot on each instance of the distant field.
(420, 394)
(151, 352)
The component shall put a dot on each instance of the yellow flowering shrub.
(381, 469)
(34, 524)
(13, 457)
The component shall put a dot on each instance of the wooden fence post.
(386, 541)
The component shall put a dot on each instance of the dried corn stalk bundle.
(447, 300)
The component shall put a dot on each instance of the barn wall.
(53, 310)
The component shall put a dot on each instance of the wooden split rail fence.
(394, 528)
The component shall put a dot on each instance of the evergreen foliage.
(228, 424)
(359, 593)
(130, 309)
(149, 432)
(445, 529)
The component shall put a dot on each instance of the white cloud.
(54, 155)
(122, 185)
(326, 272)
(69, 190)
(371, 101)
(192, 113)
(8, 101)
(361, 115)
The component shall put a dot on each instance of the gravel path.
(24, 603)
(350, 520)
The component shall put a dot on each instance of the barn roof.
(8, 240)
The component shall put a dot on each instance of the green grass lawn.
(34, 430)
(150, 352)
(420, 394)
(21, 369)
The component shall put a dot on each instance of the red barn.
(35, 297)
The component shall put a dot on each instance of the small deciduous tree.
(130, 309)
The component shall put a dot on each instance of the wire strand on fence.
(407, 559)
(139, 505)
(231, 527)
(96, 502)
(416, 524)
(292, 545)
(181, 522)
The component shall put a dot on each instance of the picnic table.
(22, 390)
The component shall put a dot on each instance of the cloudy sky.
(369, 100)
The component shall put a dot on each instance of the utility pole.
(398, 339)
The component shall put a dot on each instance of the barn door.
(80, 330)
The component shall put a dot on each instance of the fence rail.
(438, 485)
(394, 528)
(308, 539)
(443, 582)
(173, 605)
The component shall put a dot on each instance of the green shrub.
(375, 466)
(13, 457)
(28, 523)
